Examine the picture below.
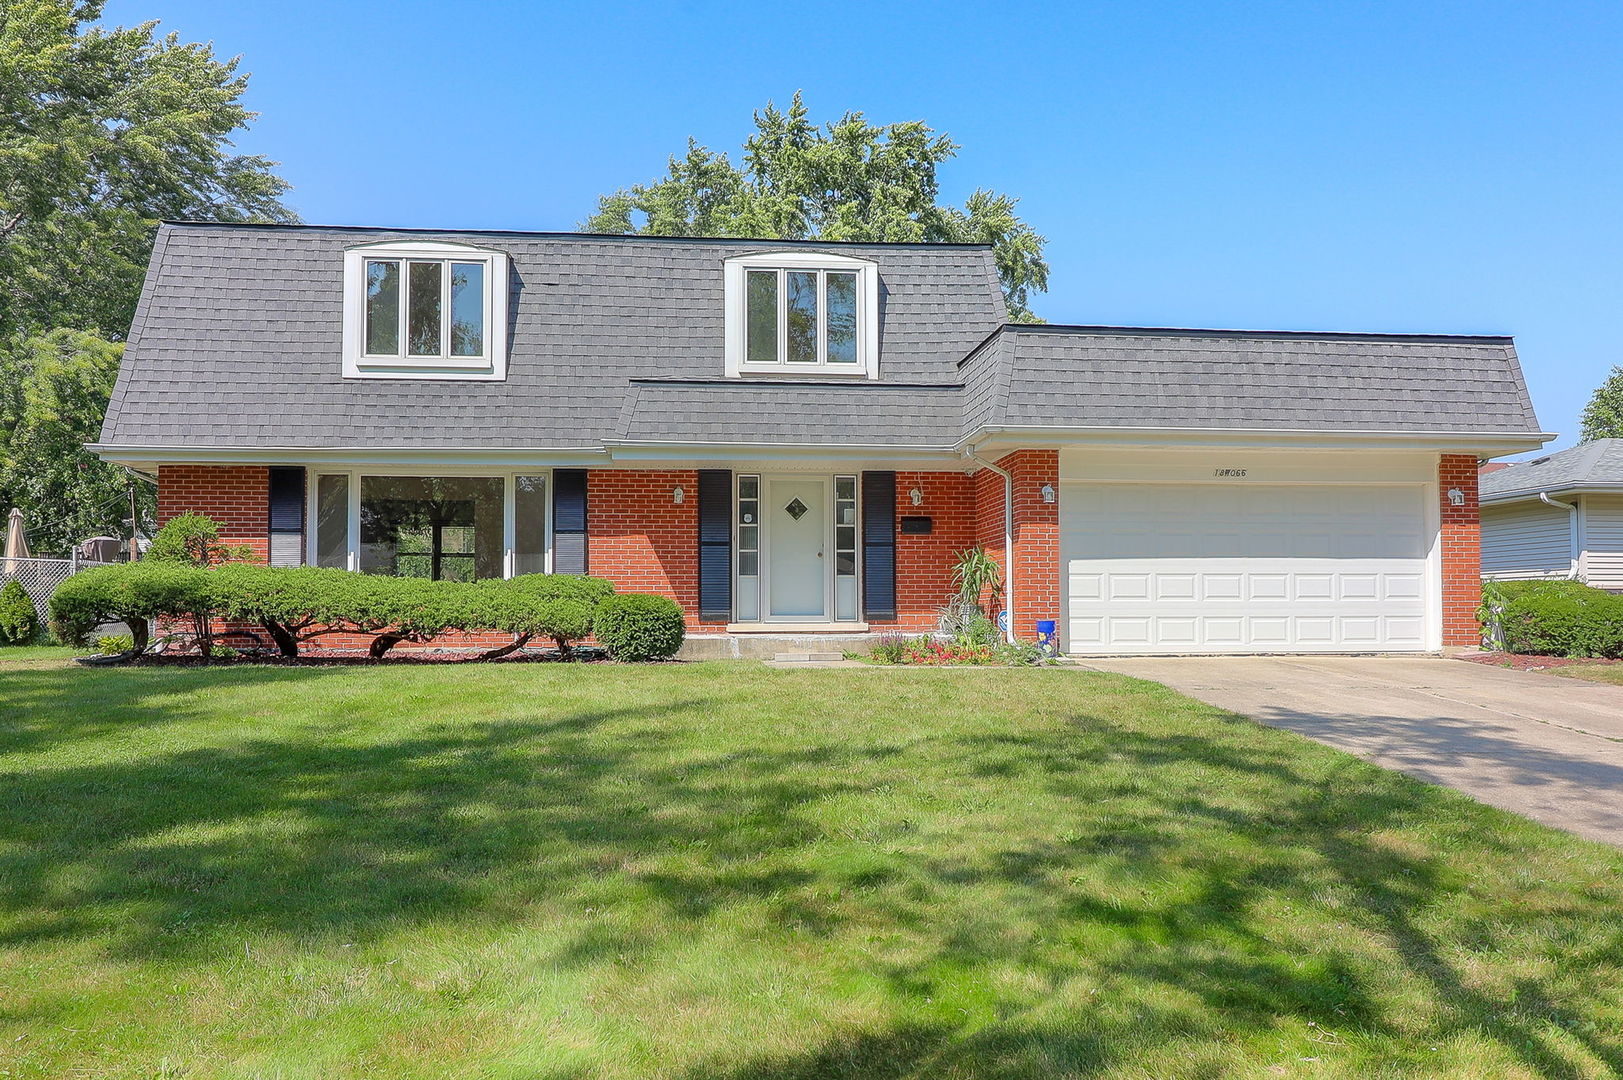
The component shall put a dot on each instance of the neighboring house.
(800, 437)
(1558, 516)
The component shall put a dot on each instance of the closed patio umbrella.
(16, 541)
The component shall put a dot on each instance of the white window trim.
(733, 277)
(509, 478)
(490, 367)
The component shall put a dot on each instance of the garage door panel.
(1183, 568)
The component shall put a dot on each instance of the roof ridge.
(557, 234)
(1287, 335)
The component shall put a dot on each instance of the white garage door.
(1232, 568)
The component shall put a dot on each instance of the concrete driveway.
(1546, 747)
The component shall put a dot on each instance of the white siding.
(1526, 540)
(1603, 536)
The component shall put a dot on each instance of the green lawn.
(1601, 673)
(725, 871)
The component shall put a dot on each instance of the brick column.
(235, 497)
(924, 562)
(1461, 550)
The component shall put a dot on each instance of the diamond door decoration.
(796, 509)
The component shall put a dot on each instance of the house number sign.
(1230, 473)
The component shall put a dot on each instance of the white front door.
(796, 513)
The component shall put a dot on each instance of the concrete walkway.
(1546, 747)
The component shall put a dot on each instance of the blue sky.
(1405, 166)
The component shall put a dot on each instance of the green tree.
(848, 180)
(53, 392)
(103, 133)
(1603, 416)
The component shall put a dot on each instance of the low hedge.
(639, 626)
(1554, 618)
(295, 605)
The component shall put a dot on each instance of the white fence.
(40, 577)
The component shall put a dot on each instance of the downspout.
(1008, 538)
(1572, 518)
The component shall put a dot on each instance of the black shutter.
(286, 517)
(569, 521)
(715, 544)
(879, 545)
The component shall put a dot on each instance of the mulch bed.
(1531, 663)
(354, 658)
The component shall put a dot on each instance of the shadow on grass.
(165, 854)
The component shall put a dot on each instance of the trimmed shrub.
(1557, 618)
(293, 603)
(19, 624)
(562, 607)
(640, 626)
(130, 593)
(297, 604)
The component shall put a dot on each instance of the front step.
(808, 657)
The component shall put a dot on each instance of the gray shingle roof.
(1591, 464)
(1124, 377)
(781, 412)
(238, 336)
(237, 340)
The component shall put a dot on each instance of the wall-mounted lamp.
(1456, 497)
(917, 496)
(1048, 493)
(677, 494)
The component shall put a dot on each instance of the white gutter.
(1572, 518)
(1008, 538)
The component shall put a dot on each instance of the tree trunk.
(284, 638)
(511, 647)
(383, 643)
(138, 636)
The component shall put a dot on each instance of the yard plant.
(19, 624)
(1554, 618)
(723, 870)
(298, 605)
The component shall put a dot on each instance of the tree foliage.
(53, 392)
(847, 180)
(104, 131)
(1603, 416)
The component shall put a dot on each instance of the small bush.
(890, 648)
(639, 626)
(1556, 618)
(114, 644)
(19, 624)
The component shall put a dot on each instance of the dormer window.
(425, 310)
(802, 313)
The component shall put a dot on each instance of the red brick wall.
(1462, 550)
(638, 537)
(236, 497)
(924, 562)
(1036, 533)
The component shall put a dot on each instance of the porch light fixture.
(917, 496)
(1456, 497)
(677, 494)
(1048, 493)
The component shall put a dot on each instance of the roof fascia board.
(1477, 441)
(1522, 494)
(141, 456)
